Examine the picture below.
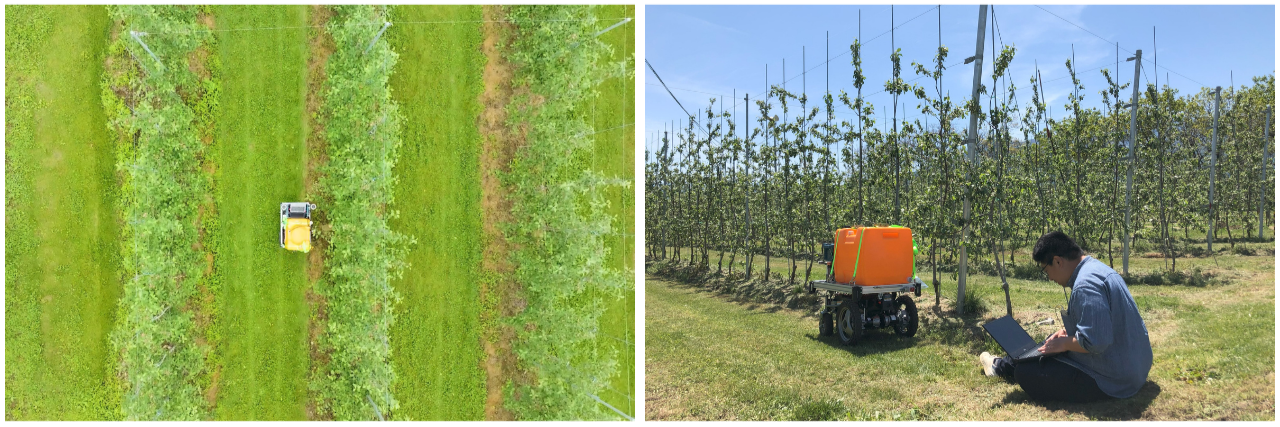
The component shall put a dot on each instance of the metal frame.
(915, 285)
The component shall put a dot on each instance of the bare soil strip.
(202, 307)
(321, 46)
(498, 147)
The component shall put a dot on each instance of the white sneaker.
(988, 362)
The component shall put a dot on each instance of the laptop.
(1015, 341)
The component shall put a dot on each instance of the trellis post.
(1262, 186)
(1133, 142)
(969, 152)
(385, 25)
(1213, 161)
(135, 35)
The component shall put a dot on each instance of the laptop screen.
(1010, 335)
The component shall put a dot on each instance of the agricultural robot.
(295, 226)
(870, 274)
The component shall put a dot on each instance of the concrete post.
(1133, 143)
(1213, 161)
(969, 152)
(1262, 185)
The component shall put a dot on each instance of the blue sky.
(704, 50)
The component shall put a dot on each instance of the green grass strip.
(614, 156)
(61, 217)
(259, 149)
(435, 341)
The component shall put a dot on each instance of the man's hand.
(1060, 342)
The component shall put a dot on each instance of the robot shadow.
(872, 342)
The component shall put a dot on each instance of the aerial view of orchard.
(319, 212)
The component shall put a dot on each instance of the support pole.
(746, 197)
(598, 33)
(826, 200)
(897, 207)
(385, 25)
(135, 35)
(1133, 142)
(376, 411)
(619, 24)
(670, 234)
(969, 152)
(942, 138)
(861, 142)
(1262, 181)
(607, 405)
(1213, 161)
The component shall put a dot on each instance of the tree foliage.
(559, 214)
(158, 159)
(362, 130)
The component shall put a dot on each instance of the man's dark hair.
(1055, 243)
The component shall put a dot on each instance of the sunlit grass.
(710, 357)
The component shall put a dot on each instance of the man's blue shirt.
(1103, 318)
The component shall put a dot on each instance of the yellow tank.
(295, 226)
(297, 234)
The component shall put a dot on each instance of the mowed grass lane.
(614, 156)
(710, 358)
(435, 341)
(61, 201)
(261, 154)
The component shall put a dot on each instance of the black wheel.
(908, 321)
(849, 322)
(826, 325)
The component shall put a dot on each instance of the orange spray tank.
(873, 256)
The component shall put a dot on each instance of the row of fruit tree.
(149, 100)
(777, 180)
(362, 126)
(559, 217)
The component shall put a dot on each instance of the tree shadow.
(948, 328)
(753, 306)
(742, 295)
(758, 308)
(698, 288)
(1130, 408)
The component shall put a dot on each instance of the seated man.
(1102, 352)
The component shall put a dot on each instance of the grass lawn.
(435, 341)
(61, 232)
(261, 154)
(711, 358)
(614, 155)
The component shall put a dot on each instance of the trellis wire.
(478, 21)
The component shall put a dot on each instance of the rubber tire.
(907, 307)
(826, 325)
(849, 322)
